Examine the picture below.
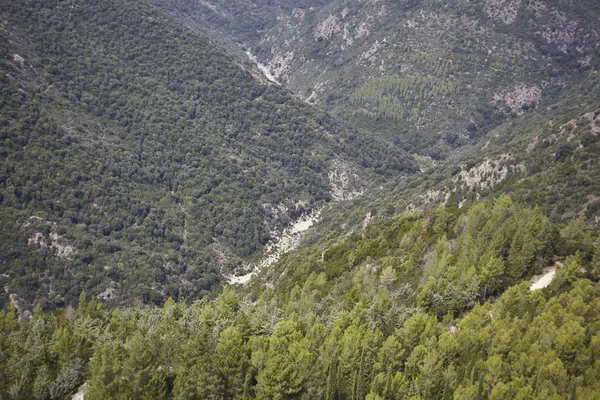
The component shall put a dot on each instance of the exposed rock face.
(589, 120)
(19, 60)
(280, 63)
(562, 31)
(422, 61)
(209, 5)
(520, 98)
(288, 240)
(80, 395)
(22, 311)
(435, 196)
(329, 27)
(344, 181)
(63, 251)
(377, 41)
(53, 242)
(39, 239)
(107, 294)
(483, 176)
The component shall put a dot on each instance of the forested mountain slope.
(547, 160)
(431, 75)
(376, 315)
(140, 161)
(244, 21)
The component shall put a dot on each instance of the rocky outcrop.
(487, 174)
(521, 98)
(503, 10)
(54, 242)
(343, 181)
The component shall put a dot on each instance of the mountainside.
(430, 75)
(313, 199)
(546, 160)
(140, 161)
(376, 315)
(244, 21)
(502, 95)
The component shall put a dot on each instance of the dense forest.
(547, 161)
(445, 153)
(424, 306)
(432, 75)
(139, 159)
(245, 21)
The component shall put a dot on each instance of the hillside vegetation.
(431, 75)
(548, 161)
(416, 196)
(139, 161)
(381, 315)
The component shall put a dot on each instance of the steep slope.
(546, 160)
(241, 20)
(431, 75)
(140, 161)
(376, 315)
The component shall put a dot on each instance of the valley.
(315, 199)
(431, 76)
(287, 241)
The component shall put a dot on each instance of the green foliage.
(443, 260)
(322, 343)
(401, 98)
(46, 358)
(287, 363)
(241, 20)
(156, 158)
(433, 77)
(138, 156)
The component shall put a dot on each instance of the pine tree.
(287, 363)
(231, 362)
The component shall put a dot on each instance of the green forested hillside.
(444, 259)
(434, 75)
(141, 164)
(548, 161)
(245, 21)
(139, 160)
(424, 306)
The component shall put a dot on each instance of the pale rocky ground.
(521, 96)
(53, 241)
(287, 241)
(543, 280)
(343, 181)
(344, 184)
(80, 392)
